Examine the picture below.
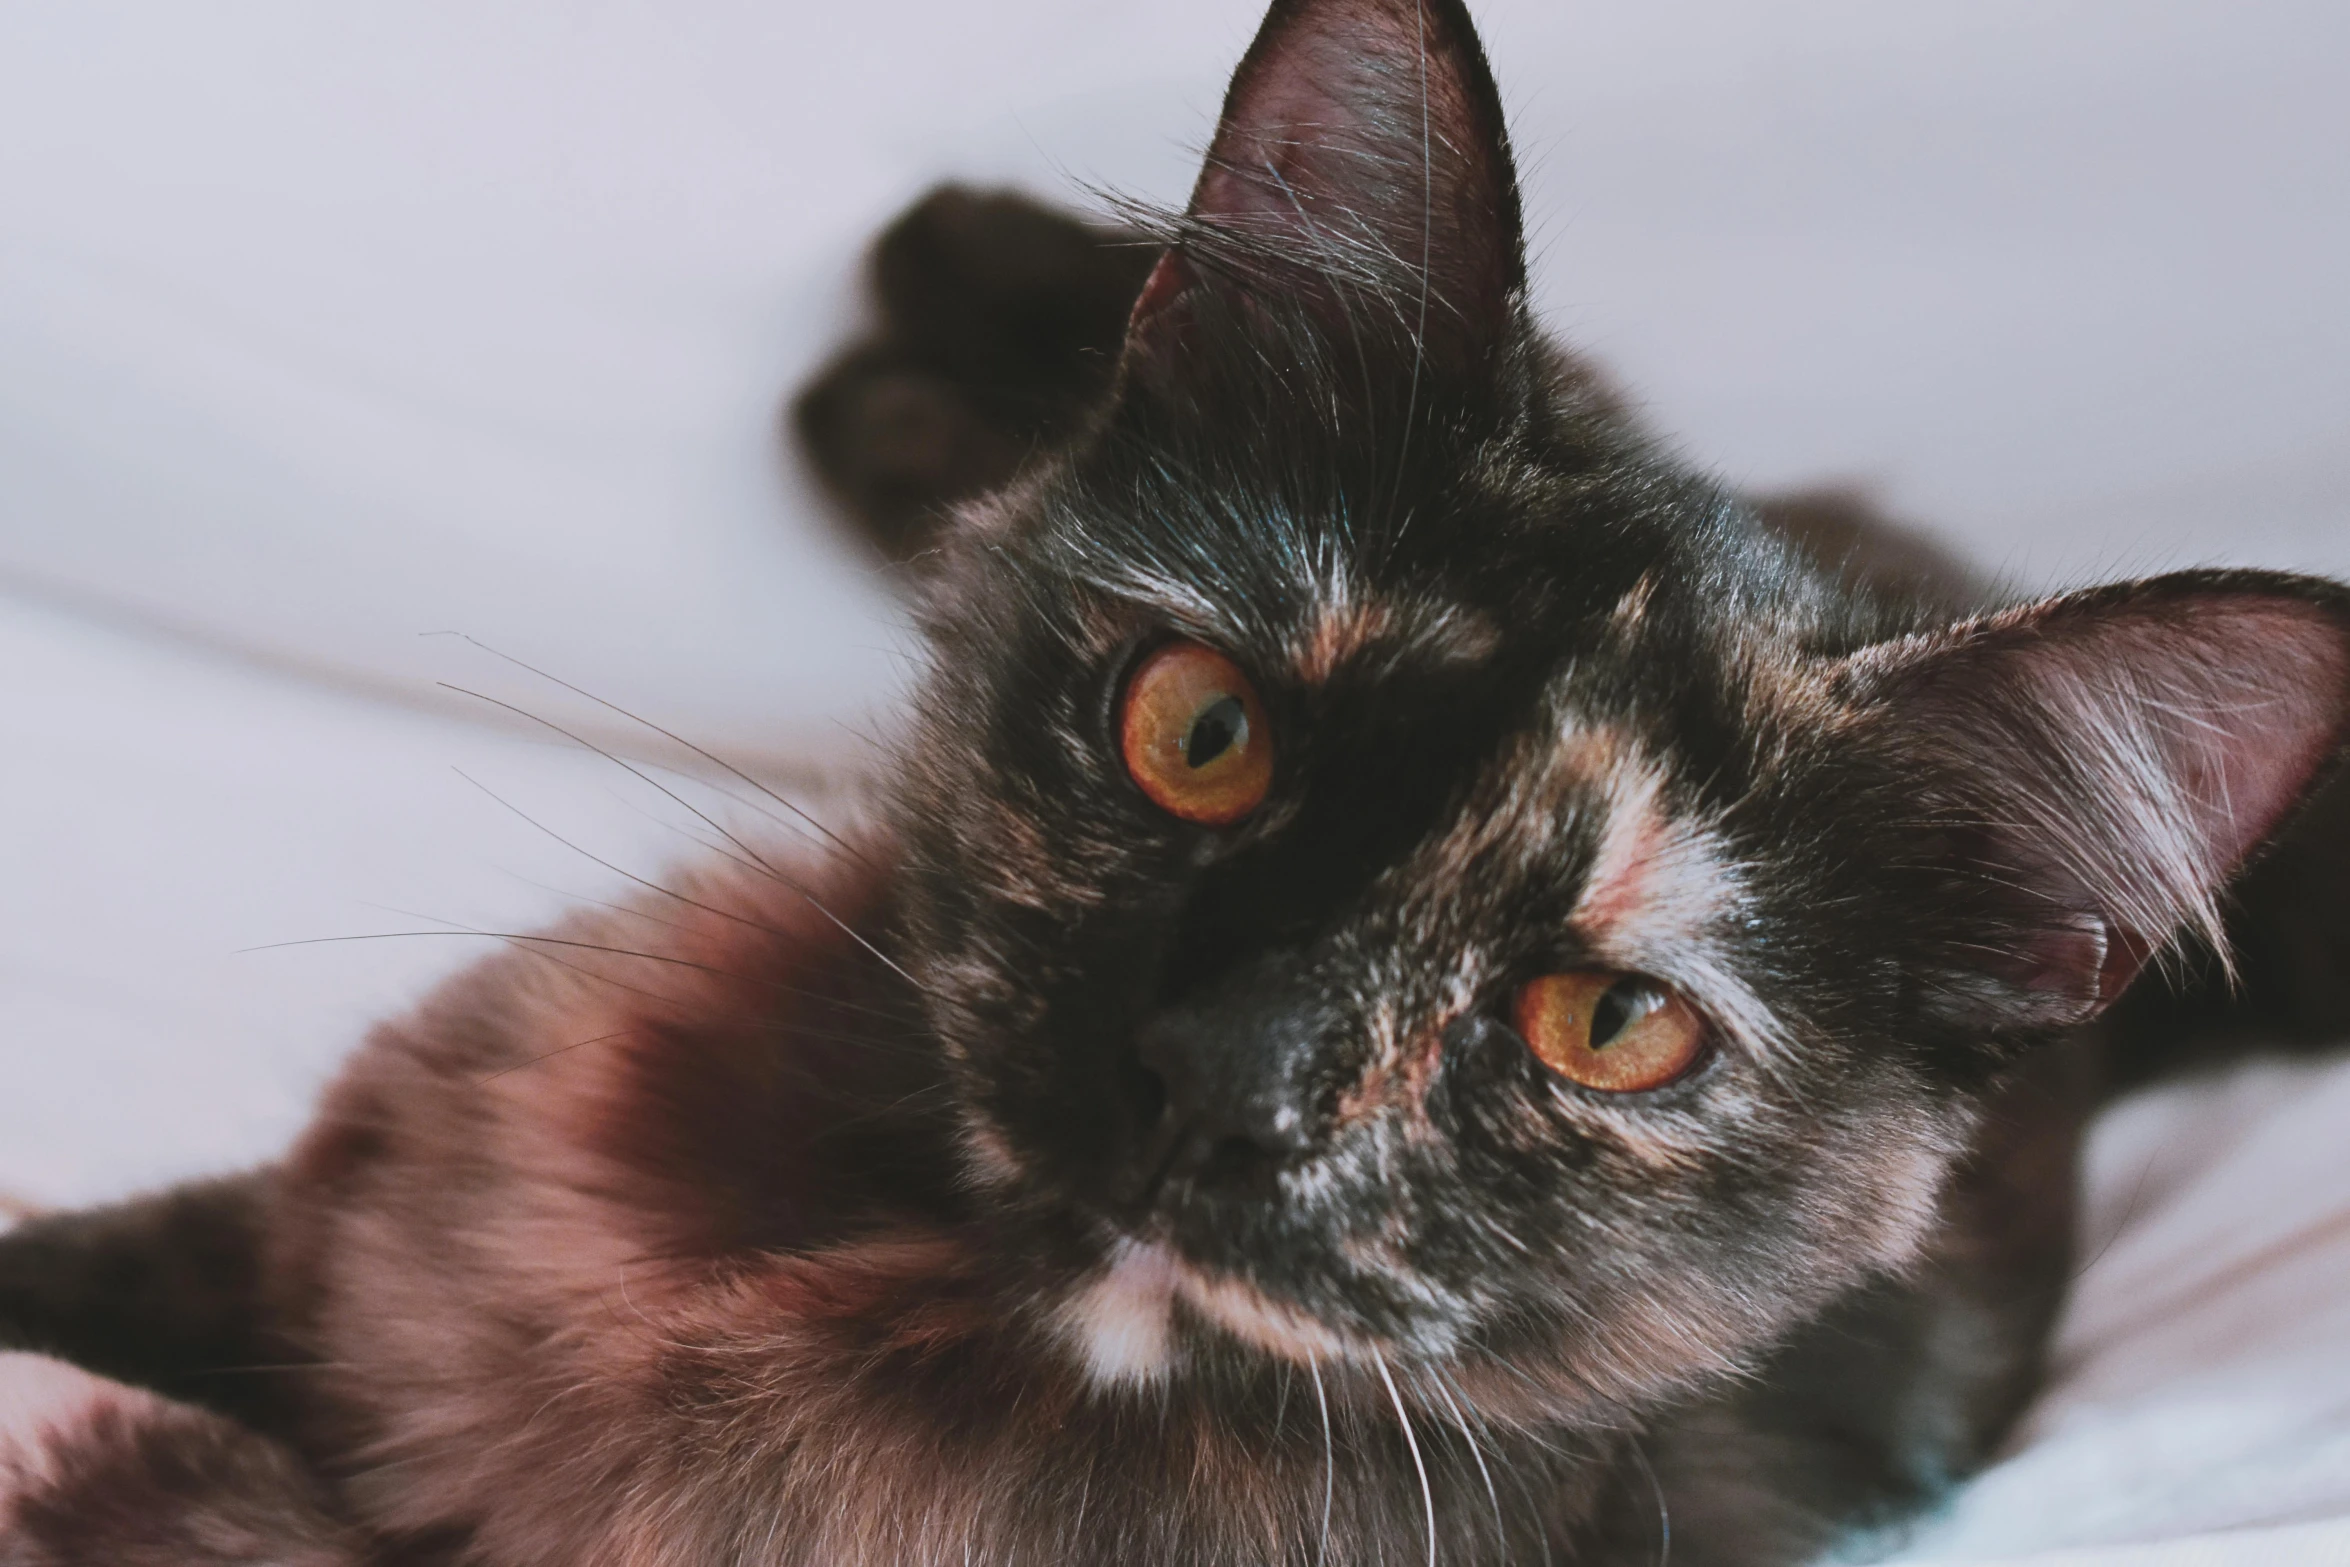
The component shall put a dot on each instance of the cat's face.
(1273, 1074)
(1402, 872)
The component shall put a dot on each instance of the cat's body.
(617, 1258)
(1067, 1167)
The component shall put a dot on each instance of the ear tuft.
(2108, 760)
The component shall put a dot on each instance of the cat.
(1423, 985)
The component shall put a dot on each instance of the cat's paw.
(999, 324)
(46, 1408)
(94, 1471)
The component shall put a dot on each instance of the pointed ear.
(2100, 765)
(1361, 170)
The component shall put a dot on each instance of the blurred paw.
(92, 1471)
(46, 1407)
(1000, 325)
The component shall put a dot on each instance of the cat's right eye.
(1618, 1033)
(1194, 735)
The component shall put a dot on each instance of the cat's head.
(1403, 870)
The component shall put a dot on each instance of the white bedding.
(2201, 1382)
(324, 328)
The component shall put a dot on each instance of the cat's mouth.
(1127, 1322)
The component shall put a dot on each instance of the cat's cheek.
(1890, 1200)
(1906, 1203)
(988, 1155)
(1243, 1312)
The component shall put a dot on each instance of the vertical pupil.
(1220, 726)
(1615, 1011)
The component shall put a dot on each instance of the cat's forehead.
(1303, 617)
(1349, 624)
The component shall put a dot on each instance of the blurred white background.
(326, 327)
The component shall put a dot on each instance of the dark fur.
(899, 477)
(926, 1203)
(172, 1486)
(157, 1292)
(999, 329)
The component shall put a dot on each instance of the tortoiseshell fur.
(824, 1209)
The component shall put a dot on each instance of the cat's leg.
(1000, 322)
(163, 1292)
(1845, 532)
(94, 1472)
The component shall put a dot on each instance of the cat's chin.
(1130, 1321)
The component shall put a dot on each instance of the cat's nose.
(1244, 1081)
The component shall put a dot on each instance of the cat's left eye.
(1619, 1033)
(1194, 735)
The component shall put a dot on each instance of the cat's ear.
(1361, 171)
(2097, 767)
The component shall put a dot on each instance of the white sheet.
(176, 817)
(2201, 1389)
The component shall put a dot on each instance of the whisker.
(508, 935)
(715, 826)
(525, 944)
(1517, 1474)
(706, 845)
(716, 761)
(1477, 1452)
(928, 1090)
(580, 900)
(910, 1043)
(2129, 1215)
(1411, 1442)
(797, 829)
(529, 941)
(628, 767)
(560, 1050)
(649, 885)
(1329, 1460)
(1664, 1511)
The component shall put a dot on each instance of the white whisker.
(1411, 1441)
(1500, 1529)
(1329, 1462)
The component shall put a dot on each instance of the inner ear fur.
(2098, 766)
(1361, 175)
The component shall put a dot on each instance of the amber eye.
(1194, 735)
(1616, 1032)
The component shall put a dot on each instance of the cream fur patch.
(1121, 1322)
